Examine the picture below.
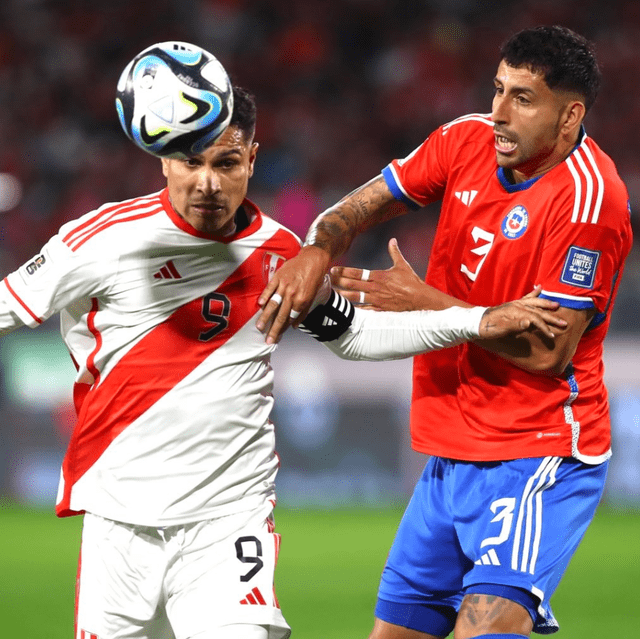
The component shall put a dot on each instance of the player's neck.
(241, 219)
(538, 167)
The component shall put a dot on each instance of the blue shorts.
(498, 528)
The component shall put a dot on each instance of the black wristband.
(331, 320)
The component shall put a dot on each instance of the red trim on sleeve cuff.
(17, 297)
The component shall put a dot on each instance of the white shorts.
(178, 582)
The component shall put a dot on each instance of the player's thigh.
(520, 522)
(421, 584)
(385, 630)
(426, 557)
(225, 577)
(119, 585)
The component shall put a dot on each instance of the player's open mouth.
(504, 145)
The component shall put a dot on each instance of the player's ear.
(573, 115)
(165, 167)
(253, 151)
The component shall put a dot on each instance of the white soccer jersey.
(173, 390)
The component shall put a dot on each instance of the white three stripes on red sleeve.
(585, 172)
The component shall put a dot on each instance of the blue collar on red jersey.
(523, 186)
(509, 187)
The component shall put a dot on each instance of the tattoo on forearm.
(335, 229)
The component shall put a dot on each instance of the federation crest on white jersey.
(174, 99)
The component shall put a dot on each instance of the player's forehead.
(232, 141)
(522, 76)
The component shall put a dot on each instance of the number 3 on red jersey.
(483, 241)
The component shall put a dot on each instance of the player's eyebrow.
(229, 153)
(514, 89)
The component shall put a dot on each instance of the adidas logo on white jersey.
(168, 272)
(466, 197)
(254, 598)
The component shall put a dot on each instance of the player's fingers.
(395, 253)
(276, 299)
(269, 311)
(523, 324)
(538, 307)
(279, 324)
(337, 281)
(268, 292)
(297, 316)
(346, 284)
(537, 289)
(350, 273)
(540, 303)
(553, 320)
(540, 324)
(354, 296)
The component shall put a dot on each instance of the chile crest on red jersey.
(516, 222)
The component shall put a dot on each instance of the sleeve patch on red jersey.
(580, 267)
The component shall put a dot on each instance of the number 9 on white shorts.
(178, 582)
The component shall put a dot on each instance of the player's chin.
(214, 216)
(505, 161)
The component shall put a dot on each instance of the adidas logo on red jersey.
(168, 272)
(466, 197)
(254, 598)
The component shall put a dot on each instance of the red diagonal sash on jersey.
(161, 360)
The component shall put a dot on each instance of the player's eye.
(229, 163)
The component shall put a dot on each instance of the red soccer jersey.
(568, 230)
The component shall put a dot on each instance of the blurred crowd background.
(342, 88)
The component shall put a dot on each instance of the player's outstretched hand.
(398, 288)
(529, 313)
(288, 295)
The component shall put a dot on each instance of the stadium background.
(342, 87)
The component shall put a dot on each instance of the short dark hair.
(566, 60)
(244, 112)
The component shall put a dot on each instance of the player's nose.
(208, 180)
(499, 110)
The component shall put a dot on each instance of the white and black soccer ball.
(174, 99)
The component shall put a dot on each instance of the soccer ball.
(174, 99)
